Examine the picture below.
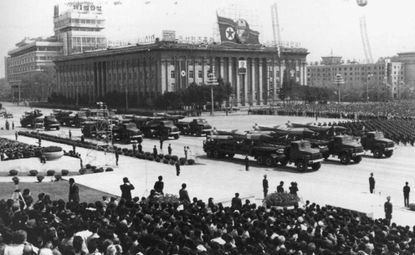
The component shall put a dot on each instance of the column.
(260, 66)
(238, 89)
(202, 61)
(222, 69)
(268, 69)
(253, 80)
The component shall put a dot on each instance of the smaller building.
(408, 60)
(30, 56)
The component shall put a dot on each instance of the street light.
(367, 87)
(339, 80)
(211, 81)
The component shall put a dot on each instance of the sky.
(323, 27)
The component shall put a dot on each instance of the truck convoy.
(50, 122)
(196, 127)
(157, 127)
(127, 133)
(299, 153)
(376, 143)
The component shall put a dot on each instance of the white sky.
(321, 26)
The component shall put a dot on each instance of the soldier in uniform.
(371, 183)
(388, 210)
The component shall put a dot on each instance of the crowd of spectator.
(362, 111)
(10, 149)
(146, 226)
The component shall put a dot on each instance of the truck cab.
(196, 127)
(161, 128)
(32, 119)
(51, 122)
(303, 155)
(127, 133)
(346, 148)
(377, 144)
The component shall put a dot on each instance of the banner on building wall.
(242, 66)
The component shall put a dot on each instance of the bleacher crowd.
(145, 226)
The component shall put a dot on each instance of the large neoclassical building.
(255, 72)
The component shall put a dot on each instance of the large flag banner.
(236, 31)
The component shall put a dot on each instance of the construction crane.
(365, 40)
(276, 28)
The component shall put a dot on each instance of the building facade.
(144, 72)
(79, 26)
(30, 56)
(408, 60)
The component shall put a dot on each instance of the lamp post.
(211, 82)
(338, 81)
(367, 87)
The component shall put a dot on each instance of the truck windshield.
(201, 122)
(168, 122)
(347, 139)
(379, 135)
(305, 146)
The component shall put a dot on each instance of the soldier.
(155, 151)
(246, 163)
(185, 152)
(265, 186)
(161, 142)
(177, 164)
(117, 156)
(371, 183)
(169, 150)
(388, 210)
(70, 134)
(134, 148)
(140, 148)
(406, 190)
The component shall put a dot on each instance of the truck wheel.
(344, 159)
(284, 162)
(260, 160)
(377, 153)
(357, 159)
(388, 154)
(210, 154)
(301, 166)
(176, 137)
(316, 166)
(230, 155)
(216, 154)
(269, 162)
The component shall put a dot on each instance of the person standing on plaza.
(371, 183)
(73, 191)
(16, 134)
(117, 156)
(265, 186)
(406, 190)
(169, 150)
(246, 163)
(134, 148)
(140, 148)
(388, 210)
(159, 185)
(177, 164)
(126, 189)
(280, 188)
(161, 143)
(155, 151)
(70, 134)
(185, 152)
(236, 202)
(183, 195)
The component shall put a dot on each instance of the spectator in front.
(265, 185)
(159, 185)
(126, 189)
(73, 191)
(293, 188)
(169, 149)
(406, 190)
(183, 195)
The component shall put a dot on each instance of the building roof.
(163, 46)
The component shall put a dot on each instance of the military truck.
(96, 129)
(32, 119)
(346, 148)
(299, 152)
(376, 143)
(159, 128)
(67, 118)
(196, 127)
(51, 122)
(127, 133)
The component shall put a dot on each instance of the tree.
(38, 85)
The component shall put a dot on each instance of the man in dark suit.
(406, 190)
(159, 185)
(388, 210)
(126, 189)
(280, 188)
(73, 191)
(183, 195)
(236, 202)
(371, 183)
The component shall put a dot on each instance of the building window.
(172, 75)
(191, 74)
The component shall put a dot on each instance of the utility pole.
(211, 81)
